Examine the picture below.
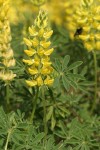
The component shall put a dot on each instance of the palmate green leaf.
(87, 83)
(65, 62)
(63, 108)
(49, 113)
(38, 138)
(60, 112)
(74, 65)
(56, 82)
(63, 127)
(76, 76)
(50, 144)
(60, 134)
(57, 65)
(65, 82)
(53, 122)
(73, 83)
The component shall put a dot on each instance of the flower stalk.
(34, 105)
(95, 79)
(44, 112)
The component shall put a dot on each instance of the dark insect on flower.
(78, 32)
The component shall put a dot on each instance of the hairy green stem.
(44, 117)
(7, 97)
(7, 141)
(95, 88)
(34, 105)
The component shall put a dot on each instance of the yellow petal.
(48, 81)
(41, 32)
(46, 63)
(27, 42)
(30, 52)
(82, 22)
(36, 61)
(45, 44)
(29, 62)
(46, 70)
(48, 52)
(48, 34)
(97, 18)
(40, 51)
(98, 45)
(84, 37)
(39, 81)
(32, 31)
(97, 36)
(86, 29)
(35, 42)
(33, 71)
(31, 82)
(88, 46)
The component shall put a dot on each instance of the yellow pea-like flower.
(98, 45)
(7, 54)
(48, 34)
(41, 32)
(88, 46)
(86, 29)
(46, 70)
(7, 76)
(40, 51)
(31, 82)
(36, 61)
(27, 42)
(48, 81)
(29, 62)
(84, 37)
(30, 52)
(48, 52)
(9, 63)
(39, 81)
(35, 42)
(97, 18)
(33, 71)
(97, 36)
(32, 31)
(82, 22)
(45, 44)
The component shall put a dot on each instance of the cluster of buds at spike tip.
(6, 53)
(87, 19)
(38, 53)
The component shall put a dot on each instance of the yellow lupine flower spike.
(6, 52)
(38, 64)
(88, 19)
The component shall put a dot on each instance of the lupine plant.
(47, 95)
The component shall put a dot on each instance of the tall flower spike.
(6, 53)
(87, 18)
(38, 52)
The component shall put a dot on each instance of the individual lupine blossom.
(88, 20)
(6, 53)
(38, 53)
